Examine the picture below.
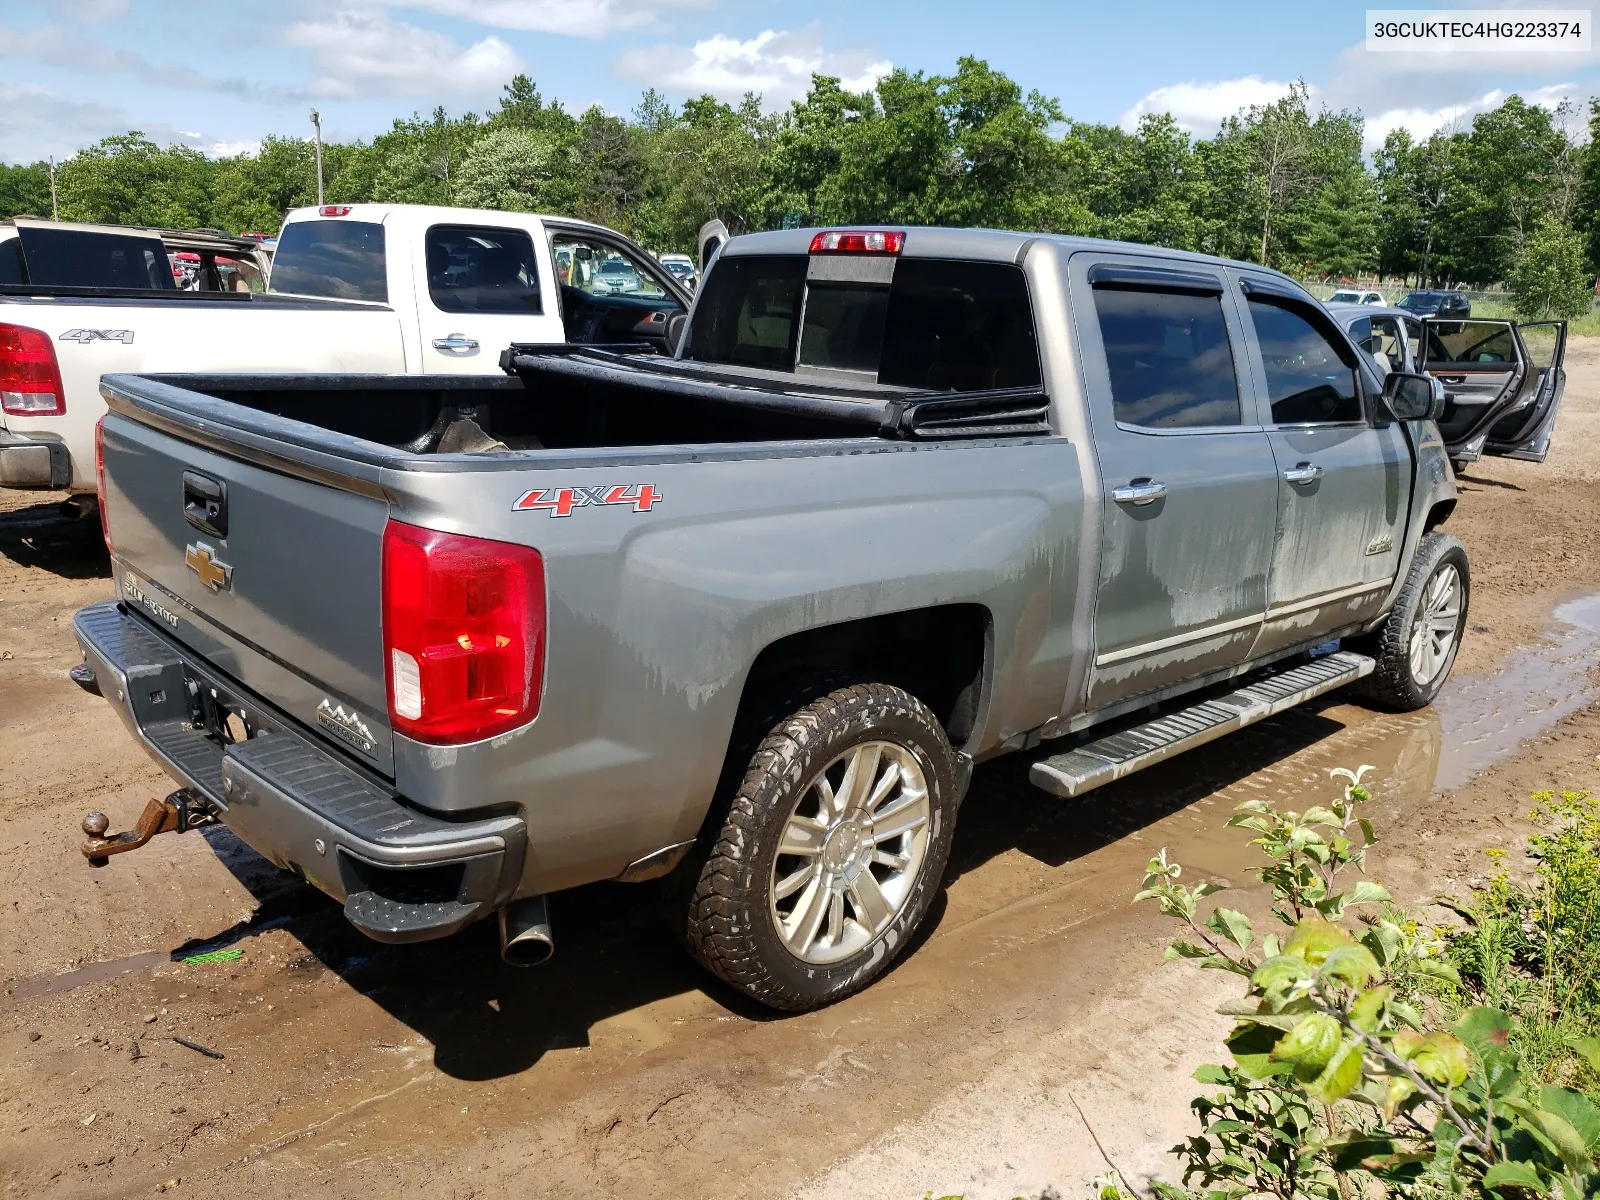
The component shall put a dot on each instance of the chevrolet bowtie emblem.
(200, 558)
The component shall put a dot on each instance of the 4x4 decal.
(560, 502)
(84, 336)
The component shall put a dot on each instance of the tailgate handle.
(205, 503)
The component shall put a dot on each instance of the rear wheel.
(831, 851)
(1416, 645)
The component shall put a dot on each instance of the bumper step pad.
(1099, 762)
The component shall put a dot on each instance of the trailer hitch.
(178, 813)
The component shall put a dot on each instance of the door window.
(475, 270)
(1471, 343)
(598, 269)
(1309, 380)
(1170, 359)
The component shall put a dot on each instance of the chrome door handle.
(1139, 493)
(455, 341)
(1303, 473)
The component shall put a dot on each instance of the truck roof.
(993, 245)
(433, 213)
(177, 239)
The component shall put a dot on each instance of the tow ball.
(178, 813)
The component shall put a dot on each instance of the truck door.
(1189, 483)
(479, 289)
(1344, 471)
(1485, 371)
(1525, 428)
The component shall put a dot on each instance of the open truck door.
(1486, 372)
(1524, 429)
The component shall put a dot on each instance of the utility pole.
(55, 214)
(316, 120)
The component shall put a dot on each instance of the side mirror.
(1413, 397)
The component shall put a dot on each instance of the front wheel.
(832, 849)
(1416, 645)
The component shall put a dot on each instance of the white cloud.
(365, 54)
(1423, 123)
(777, 65)
(247, 148)
(576, 18)
(1202, 107)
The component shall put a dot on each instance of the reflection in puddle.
(1487, 717)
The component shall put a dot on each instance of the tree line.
(1286, 184)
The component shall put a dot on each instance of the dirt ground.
(1029, 1037)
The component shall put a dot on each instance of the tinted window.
(482, 270)
(11, 262)
(747, 312)
(958, 326)
(1479, 343)
(75, 258)
(1171, 363)
(843, 326)
(1387, 331)
(1308, 379)
(341, 259)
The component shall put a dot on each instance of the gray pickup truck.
(745, 617)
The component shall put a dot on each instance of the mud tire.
(728, 923)
(1391, 685)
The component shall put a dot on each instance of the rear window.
(482, 270)
(343, 260)
(77, 258)
(939, 325)
(11, 262)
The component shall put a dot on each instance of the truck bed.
(586, 398)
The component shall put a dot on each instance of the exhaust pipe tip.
(525, 937)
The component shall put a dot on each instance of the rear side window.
(1170, 359)
(749, 312)
(11, 262)
(1474, 343)
(1309, 380)
(940, 325)
(343, 260)
(76, 258)
(482, 270)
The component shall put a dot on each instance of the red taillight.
(858, 241)
(335, 210)
(30, 378)
(100, 480)
(463, 634)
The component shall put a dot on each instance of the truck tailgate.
(273, 578)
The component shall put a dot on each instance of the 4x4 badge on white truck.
(84, 336)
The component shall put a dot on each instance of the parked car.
(1503, 381)
(1356, 296)
(1436, 304)
(682, 268)
(902, 501)
(367, 287)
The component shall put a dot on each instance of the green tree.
(508, 168)
(1551, 278)
(129, 180)
(24, 189)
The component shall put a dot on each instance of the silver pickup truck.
(745, 616)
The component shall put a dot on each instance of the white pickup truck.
(381, 288)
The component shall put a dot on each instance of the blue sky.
(220, 76)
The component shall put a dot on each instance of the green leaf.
(1341, 1074)
(1366, 831)
(1310, 1044)
(1397, 1093)
(1406, 1012)
(1566, 1140)
(1313, 939)
(1486, 1030)
(1576, 1110)
(1204, 889)
(1367, 891)
(1438, 968)
(1514, 1175)
(1589, 1048)
(1182, 949)
(1321, 816)
(1367, 1011)
(1443, 1059)
(1384, 940)
(1211, 1073)
(1352, 965)
(1233, 925)
(1279, 975)
(1251, 1047)
(1271, 946)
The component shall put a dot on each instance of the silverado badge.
(345, 725)
(201, 559)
